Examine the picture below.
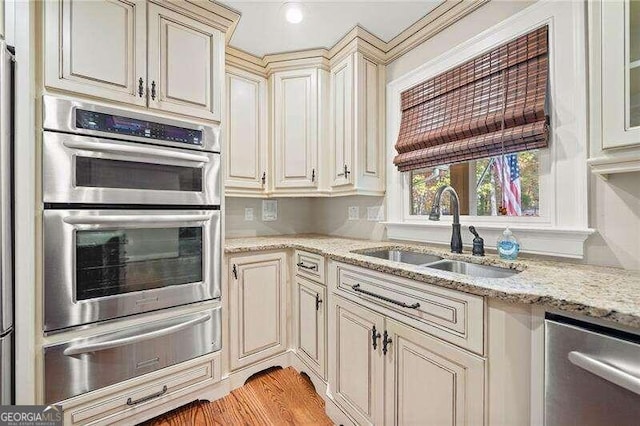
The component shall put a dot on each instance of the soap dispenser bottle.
(508, 246)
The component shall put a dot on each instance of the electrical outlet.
(354, 212)
(375, 214)
(248, 214)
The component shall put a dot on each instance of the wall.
(332, 217)
(614, 212)
(294, 217)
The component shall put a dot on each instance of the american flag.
(509, 178)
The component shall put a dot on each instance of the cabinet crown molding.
(358, 39)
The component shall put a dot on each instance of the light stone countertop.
(608, 293)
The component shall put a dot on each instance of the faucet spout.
(456, 237)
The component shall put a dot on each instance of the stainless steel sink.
(404, 256)
(472, 269)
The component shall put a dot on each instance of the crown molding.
(357, 40)
(445, 14)
(219, 16)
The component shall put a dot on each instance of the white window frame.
(562, 226)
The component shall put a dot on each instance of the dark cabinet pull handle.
(235, 272)
(374, 337)
(313, 175)
(346, 171)
(140, 87)
(386, 341)
(264, 177)
(312, 267)
(356, 287)
(318, 301)
(153, 90)
(147, 398)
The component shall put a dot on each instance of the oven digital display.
(109, 123)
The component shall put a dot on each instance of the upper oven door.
(87, 170)
(105, 264)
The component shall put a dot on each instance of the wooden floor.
(275, 397)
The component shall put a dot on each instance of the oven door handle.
(135, 338)
(129, 219)
(135, 150)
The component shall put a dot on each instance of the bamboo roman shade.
(490, 105)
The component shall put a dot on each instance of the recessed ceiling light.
(293, 13)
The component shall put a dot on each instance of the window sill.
(561, 242)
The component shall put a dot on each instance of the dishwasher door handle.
(606, 371)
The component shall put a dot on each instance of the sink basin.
(404, 256)
(472, 269)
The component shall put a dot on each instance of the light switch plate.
(375, 214)
(248, 213)
(269, 210)
(354, 213)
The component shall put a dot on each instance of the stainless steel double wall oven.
(132, 213)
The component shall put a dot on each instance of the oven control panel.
(109, 123)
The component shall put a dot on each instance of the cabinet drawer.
(123, 400)
(310, 265)
(448, 314)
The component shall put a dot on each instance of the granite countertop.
(608, 293)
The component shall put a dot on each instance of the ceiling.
(263, 28)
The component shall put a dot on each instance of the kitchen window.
(506, 185)
(553, 219)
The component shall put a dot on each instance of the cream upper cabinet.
(186, 63)
(246, 133)
(341, 128)
(97, 48)
(135, 52)
(429, 382)
(355, 365)
(295, 96)
(356, 145)
(309, 323)
(614, 92)
(257, 307)
(620, 73)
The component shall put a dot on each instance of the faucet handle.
(478, 242)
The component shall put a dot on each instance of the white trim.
(562, 227)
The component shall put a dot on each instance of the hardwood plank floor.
(274, 397)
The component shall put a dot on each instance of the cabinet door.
(246, 140)
(429, 382)
(620, 73)
(356, 367)
(97, 48)
(186, 65)
(342, 125)
(309, 327)
(257, 307)
(295, 114)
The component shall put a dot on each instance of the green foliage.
(424, 184)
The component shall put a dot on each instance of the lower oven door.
(105, 264)
(88, 170)
(82, 365)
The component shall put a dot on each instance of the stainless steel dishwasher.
(592, 374)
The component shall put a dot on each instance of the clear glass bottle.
(508, 246)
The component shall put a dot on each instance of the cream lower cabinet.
(356, 365)
(385, 372)
(430, 382)
(310, 330)
(257, 307)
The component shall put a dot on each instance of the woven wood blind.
(490, 105)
